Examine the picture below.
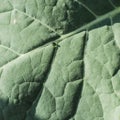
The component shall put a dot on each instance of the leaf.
(59, 60)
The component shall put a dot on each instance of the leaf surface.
(59, 59)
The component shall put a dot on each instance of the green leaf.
(59, 60)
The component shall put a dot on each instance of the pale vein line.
(83, 73)
(45, 25)
(80, 3)
(10, 3)
(10, 50)
(19, 55)
(87, 26)
(112, 3)
(25, 28)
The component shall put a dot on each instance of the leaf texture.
(59, 60)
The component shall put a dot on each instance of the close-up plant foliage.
(59, 59)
